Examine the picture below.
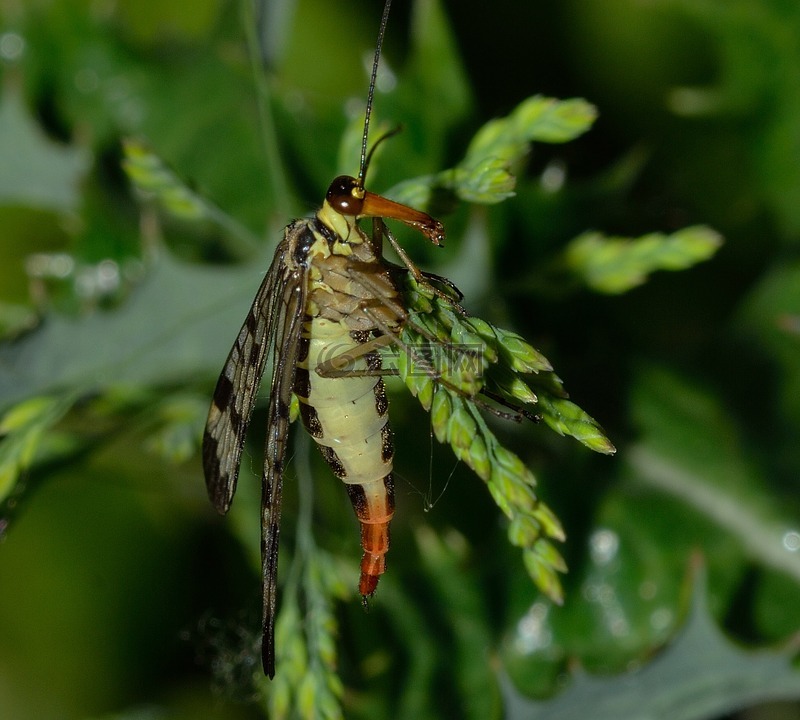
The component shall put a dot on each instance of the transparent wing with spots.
(235, 394)
(271, 328)
(286, 342)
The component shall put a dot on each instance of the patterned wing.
(272, 328)
(285, 342)
(235, 394)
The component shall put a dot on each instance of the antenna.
(362, 171)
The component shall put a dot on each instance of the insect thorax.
(349, 282)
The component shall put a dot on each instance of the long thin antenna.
(371, 93)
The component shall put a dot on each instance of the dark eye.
(345, 195)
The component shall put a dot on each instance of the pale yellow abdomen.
(347, 417)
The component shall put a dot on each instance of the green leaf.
(441, 87)
(36, 171)
(614, 265)
(22, 430)
(700, 674)
(178, 323)
(690, 448)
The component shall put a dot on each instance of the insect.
(328, 301)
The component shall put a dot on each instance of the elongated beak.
(379, 206)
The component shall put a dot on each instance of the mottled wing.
(272, 328)
(235, 394)
(286, 343)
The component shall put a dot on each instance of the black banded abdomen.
(347, 417)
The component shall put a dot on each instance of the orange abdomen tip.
(372, 567)
(367, 585)
(375, 542)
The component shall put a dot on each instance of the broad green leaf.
(436, 69)
(35, 171)
(699, 675)
(83, 523)
(615, 265)
(177, 324)
(690, 449)
(688, 483)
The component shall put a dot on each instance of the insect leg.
(340, 365)
(421, 277)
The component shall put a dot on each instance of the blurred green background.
(123, 595)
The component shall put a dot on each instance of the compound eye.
(345, 195)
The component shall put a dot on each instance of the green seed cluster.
(148, 172)
(486, 174)
(453, 363)
(307, 685)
